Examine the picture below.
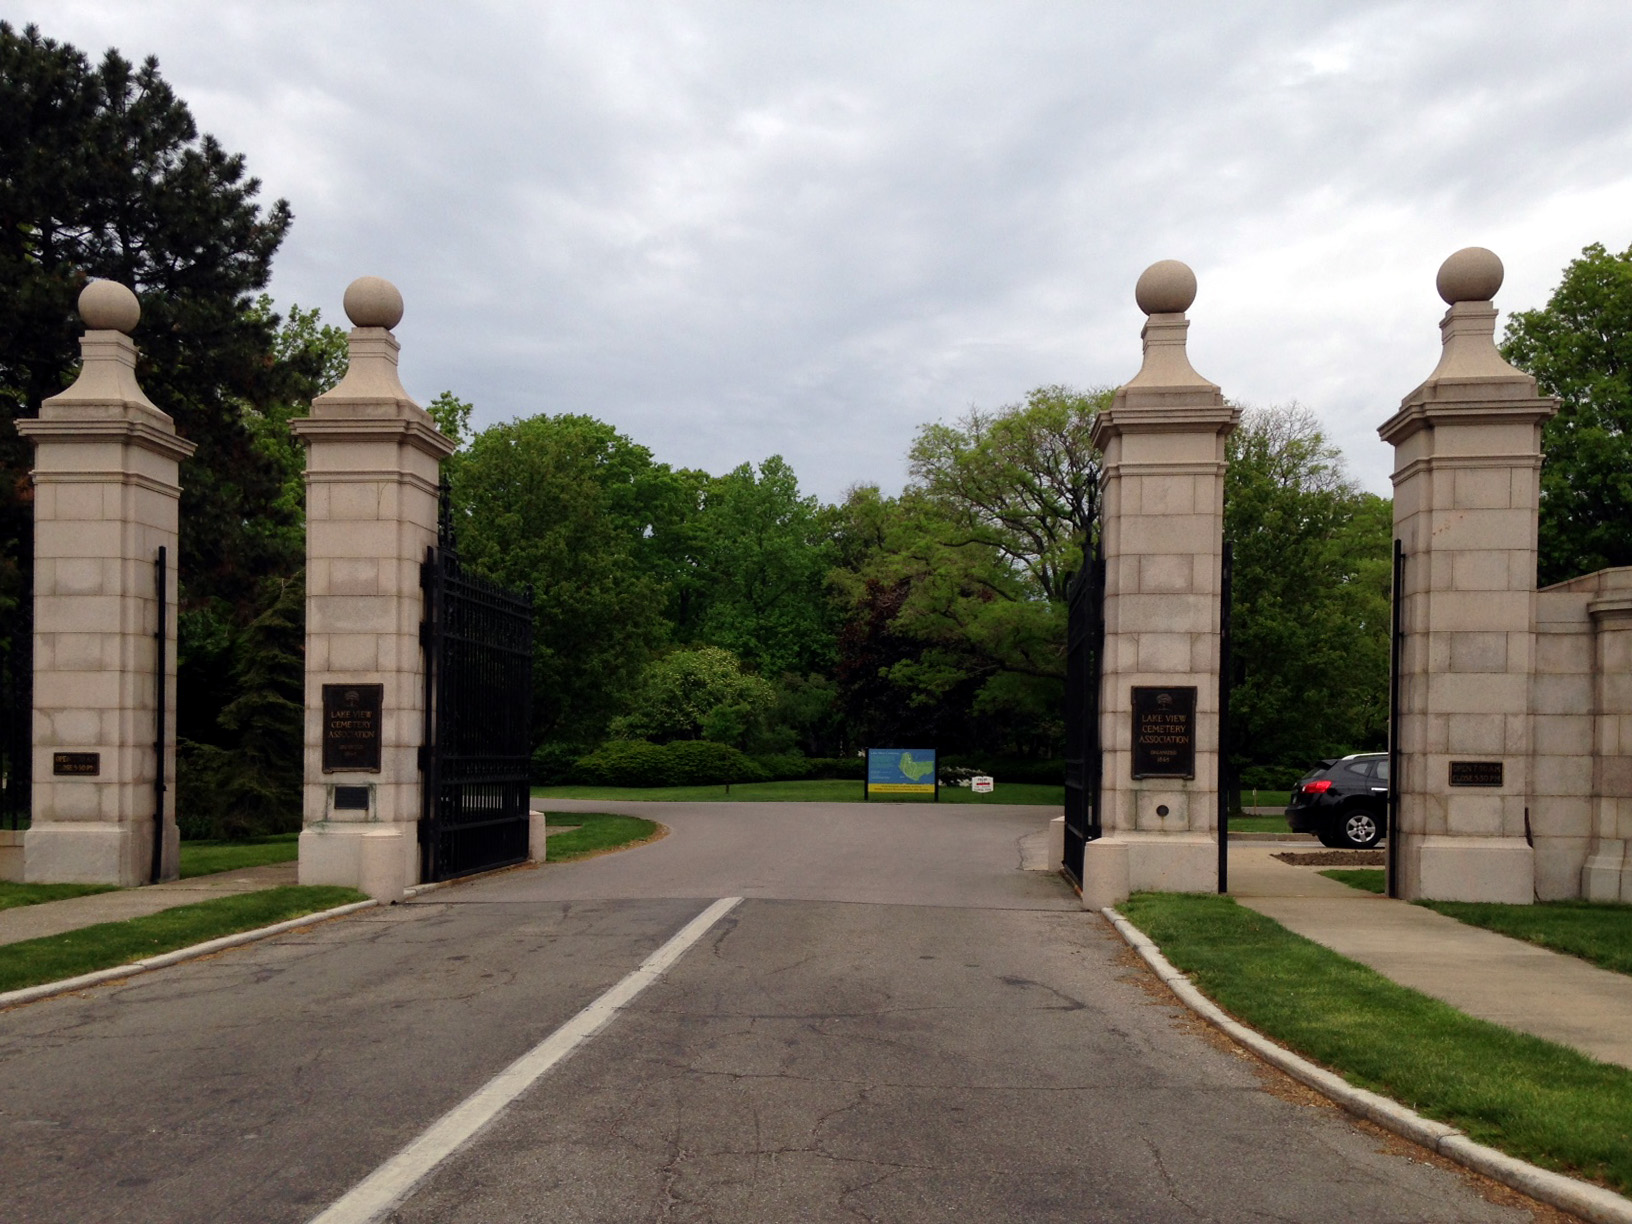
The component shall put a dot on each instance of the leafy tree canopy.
(1311, 594)
(957, 587)
(575, 509)
(1022, 482)
(696, 694)
(1579, 347)
(762, 552)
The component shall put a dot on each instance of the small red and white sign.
(981, 784)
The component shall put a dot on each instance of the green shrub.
(552, 764)
(794, 767)
(682, 763)
(621, 763)
(784, 766)
(705, 763)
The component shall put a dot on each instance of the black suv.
(1343, 802)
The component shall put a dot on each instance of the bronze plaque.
(1476, 773)
(351, 727)
(76, 764)
(1164, 732)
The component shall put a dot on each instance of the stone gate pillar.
(1467, 461)
(373, 463)
(1162, 533)
(105, 501)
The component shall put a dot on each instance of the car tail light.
(1318, 787)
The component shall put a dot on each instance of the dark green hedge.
(683, 763)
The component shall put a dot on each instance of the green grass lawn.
(1263, 798)
(1596, 931)
(1371, 879)
(208, 857)
(1533, 1099)
(823, 790)
(1259, 824)
(109, 944)
(12, 895)
(595, 833)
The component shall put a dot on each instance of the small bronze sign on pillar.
(1476, 773)
(1164, 732)
(76, 764)
(351, 727)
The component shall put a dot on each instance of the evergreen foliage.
(103, 173)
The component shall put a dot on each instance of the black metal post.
(937, 775)
(1225, 667)
(1095, 762)
(430, 650)
(867, 775)
(161, 638)
(1396, 642)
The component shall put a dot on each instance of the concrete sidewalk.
(1506, 981)
(55, 917)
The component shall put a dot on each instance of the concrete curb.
(67, 985)
(1581, 1198)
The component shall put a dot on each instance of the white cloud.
(736, 229)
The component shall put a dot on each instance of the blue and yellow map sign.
(901, 771)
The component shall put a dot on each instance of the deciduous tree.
(1579, 347)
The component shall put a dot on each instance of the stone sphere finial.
(1473, 274)
(1166, 287)
(107, 305)
(373, 301)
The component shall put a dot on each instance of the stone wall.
(1581, 701)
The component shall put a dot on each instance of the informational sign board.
(76, 764)
(1476, 773)
(1164, 732)
(901, 771)
(351, 727)
(981, 784)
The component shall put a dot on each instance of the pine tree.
(103, 173)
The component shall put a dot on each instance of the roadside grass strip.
(1596, 931)
(208, 857)
(1540, 1102)
(814, 790)
(1369, 879)
(13, 895)
(108, 945)
(596, 833)
(1260, 824)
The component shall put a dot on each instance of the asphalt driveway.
(897, 1023)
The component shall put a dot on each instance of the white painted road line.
(389, 1184)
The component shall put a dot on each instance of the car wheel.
(1359, 829)
(1330, 837)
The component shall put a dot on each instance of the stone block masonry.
(372, 477)
(1162, 534)
(106, 463)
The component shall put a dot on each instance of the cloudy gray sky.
(742, 229)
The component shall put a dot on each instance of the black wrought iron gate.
(478, 643)
(1085, 640)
